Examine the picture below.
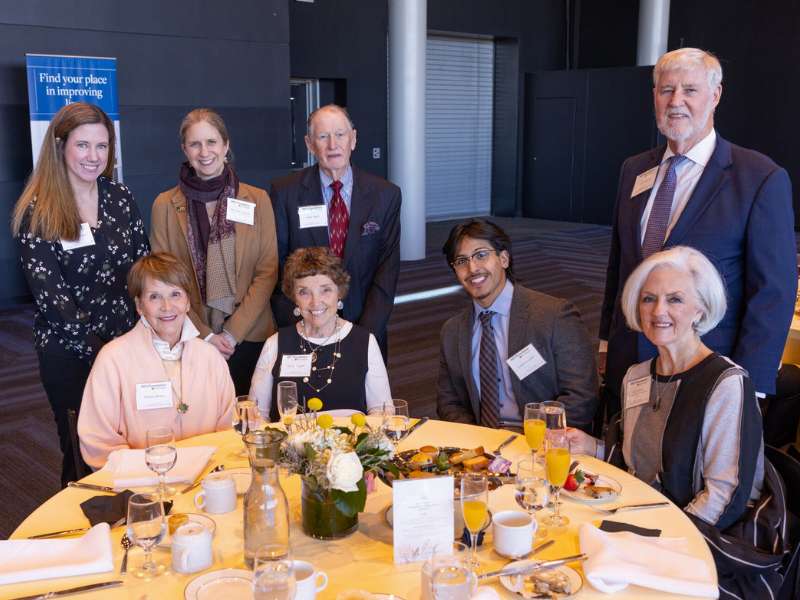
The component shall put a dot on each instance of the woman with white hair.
(690, 423)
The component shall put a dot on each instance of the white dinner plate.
(580, 495)
(523, 586)
(365, 595)
(241, 477)
(225, 584)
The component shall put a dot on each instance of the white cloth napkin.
(616, 560)
(485, 593)
(127, 468)
(27, 560)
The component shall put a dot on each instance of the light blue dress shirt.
(509, 410)
(347, 188)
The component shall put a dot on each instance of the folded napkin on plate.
(127, 468)
(616, 560)
(110, 509)
(27, 560)
(485, 593)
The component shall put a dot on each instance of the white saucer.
(225, 584)
(512, 584)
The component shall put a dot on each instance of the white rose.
(344, 471)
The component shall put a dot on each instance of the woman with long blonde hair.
(78, 233)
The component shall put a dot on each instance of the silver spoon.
(126, 543)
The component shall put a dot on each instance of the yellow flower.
(325, 421)
(358, 420)
(315, 404)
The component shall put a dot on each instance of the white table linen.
(127, 468)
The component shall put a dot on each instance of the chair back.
(80, 467)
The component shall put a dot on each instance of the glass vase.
(321, 517)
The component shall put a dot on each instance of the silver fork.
(611, 511)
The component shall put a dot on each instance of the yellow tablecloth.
(363, 560)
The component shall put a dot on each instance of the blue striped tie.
(662, 208)
(490, 397)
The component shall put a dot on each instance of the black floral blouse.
(81, 294)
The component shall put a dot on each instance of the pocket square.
(369, 228)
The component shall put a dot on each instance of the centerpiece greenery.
(332, 462)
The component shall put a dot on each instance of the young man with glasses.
(512, 345)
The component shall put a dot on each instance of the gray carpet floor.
(562, 259)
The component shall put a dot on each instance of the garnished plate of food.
(590, 488)
(431, 461)
(558, 582)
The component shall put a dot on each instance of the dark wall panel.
(171, 57)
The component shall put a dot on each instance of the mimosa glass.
(557, 460)
(475, 508)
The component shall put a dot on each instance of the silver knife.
(416, 425)
(510, 439)
(76, 590)
(546, 564)
(52, 534)
(91, 486)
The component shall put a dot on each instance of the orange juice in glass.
(535, 426)
(557, 461)
(474, 503)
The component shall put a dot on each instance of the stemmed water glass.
(453, 581)
(532, 490)
(273, 574)
(160, 456)
(287, 403)
(245, 417)
(146, 528)
(395, 421)
(535, 426)
(557, 460)
(475, 508)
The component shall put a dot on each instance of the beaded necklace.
(307, 347)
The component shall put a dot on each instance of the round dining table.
(364, 560)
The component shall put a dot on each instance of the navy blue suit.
(371, 252)
(740, 216)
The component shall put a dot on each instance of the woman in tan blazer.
(224, 231)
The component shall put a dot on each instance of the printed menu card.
(422, 512)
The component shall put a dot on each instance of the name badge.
(637, 392)
(296, 365)
(85, 238)
(644, 181)
(313, 216)
(526, 361)
(150, 396)
(240, 211)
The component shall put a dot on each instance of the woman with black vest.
(328, 357)
(690, 422)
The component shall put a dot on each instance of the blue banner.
(55, 81)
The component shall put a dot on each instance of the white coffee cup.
(191, 547)
(218, 494)
(308, 580)
(513, 532)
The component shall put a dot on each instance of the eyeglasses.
(479, 256)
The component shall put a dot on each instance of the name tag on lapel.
(150, 396)
(644, 181)
(637, 392)
(313, 216)
(240, 211)
(85, 238)
(526, 361)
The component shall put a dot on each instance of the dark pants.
(64, 378)
(242, 364)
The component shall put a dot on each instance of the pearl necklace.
(307, 346)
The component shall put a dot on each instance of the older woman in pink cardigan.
(160, 373)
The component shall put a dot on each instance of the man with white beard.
(731, 203)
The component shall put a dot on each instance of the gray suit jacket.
(555, 329)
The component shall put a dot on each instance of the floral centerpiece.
(332, 462)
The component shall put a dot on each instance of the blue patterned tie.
(490, 397)
(662, 208)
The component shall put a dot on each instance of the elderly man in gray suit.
(512, 345)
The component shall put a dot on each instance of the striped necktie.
(490, 396)
(662, 208)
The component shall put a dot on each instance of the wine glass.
(245, 417)
(535, 425)
(475, 508)
(287, 403)
(146, 528)
(273, 573)
(453, 581)
(557, 460)
(395, 421)
(532, 491)
(160, 456)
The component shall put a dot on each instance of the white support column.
(408, 35)
(653, 31)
